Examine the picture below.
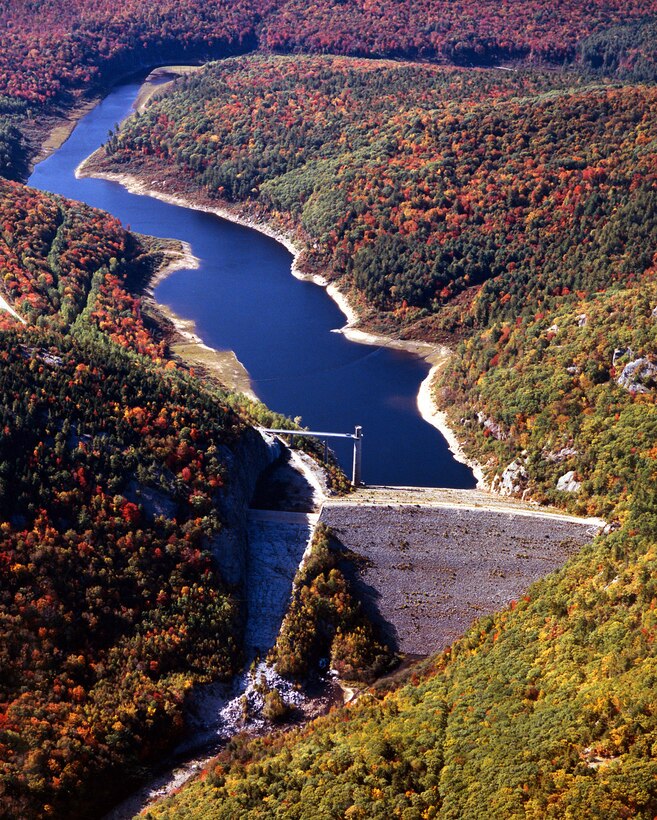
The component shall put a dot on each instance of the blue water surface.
(243, 298)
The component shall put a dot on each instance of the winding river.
(243, 298)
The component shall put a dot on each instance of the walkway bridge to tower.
(357, 436)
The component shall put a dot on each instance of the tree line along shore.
(508, 213)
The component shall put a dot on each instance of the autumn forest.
(477, 175)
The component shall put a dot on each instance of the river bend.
(243, 298)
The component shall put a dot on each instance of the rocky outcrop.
(513, 480)
(621, 352)
(558, 456)
(567, 483)
(492, 427)
(155, 502)
(639, 376)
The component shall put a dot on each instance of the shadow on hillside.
(281, 487)
(352, 566)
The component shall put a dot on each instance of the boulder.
(567, 483)
(639, 376)
(560, 455)
(513, 480)
(492, 427)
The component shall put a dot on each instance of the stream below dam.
(283, 330)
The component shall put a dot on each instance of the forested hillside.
(434, 187)
(112, 464)
(55, 53)
(64, 263)
(110, 606)
(59, 47)
(515, 209)
(325, 620)
(565, 396)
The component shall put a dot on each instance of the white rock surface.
(492, 426)
(567, 483)
(560, 455)
(635, 374)
(513, 479)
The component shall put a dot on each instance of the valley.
(476, 191)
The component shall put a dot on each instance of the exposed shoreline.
(435, 355)
(50, 139)
(187, 344)
(61, 130)
(432, 414)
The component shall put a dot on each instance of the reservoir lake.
(283, 330)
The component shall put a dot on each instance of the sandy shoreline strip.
(438, 419)
(61, 130)
(436, 355)
(189, 345)
(176, 260)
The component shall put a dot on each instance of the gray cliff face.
(246, 462)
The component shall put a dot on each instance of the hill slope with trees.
(517, 215)
(113, 467)
(56, 54)
(514, 211)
